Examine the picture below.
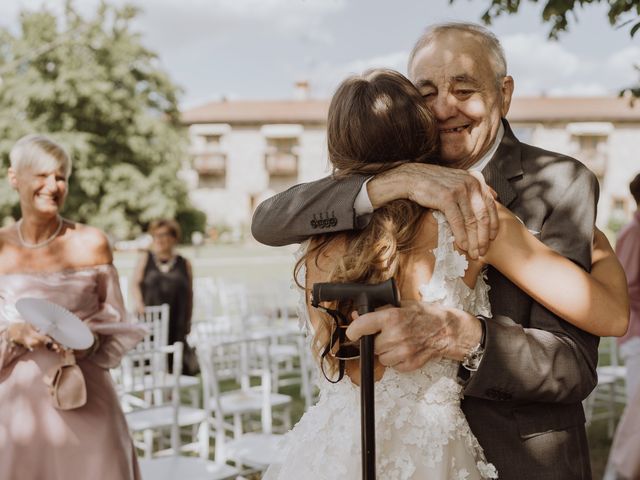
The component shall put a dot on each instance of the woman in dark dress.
(163, 276)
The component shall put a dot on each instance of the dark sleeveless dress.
(172, 288)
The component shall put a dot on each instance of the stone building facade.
(245, 151)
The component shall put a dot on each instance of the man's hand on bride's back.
(416, 332)
(465, 199)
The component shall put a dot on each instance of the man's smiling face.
(457, 77)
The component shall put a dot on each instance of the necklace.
(165, 267)
(45, 242)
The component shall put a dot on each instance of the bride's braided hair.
(376, 121)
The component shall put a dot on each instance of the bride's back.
(340, 258)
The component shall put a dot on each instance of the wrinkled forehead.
(450, 55)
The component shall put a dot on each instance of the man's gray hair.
(488, 39)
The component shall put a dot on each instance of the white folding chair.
(205, 299)
(263, 312)
(185, 468)
(605, 402)
(243, 360)
(151, 401)
(255, 449)
(156, 319)
(174, 466)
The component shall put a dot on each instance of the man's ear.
(506, 89)
(13, 179)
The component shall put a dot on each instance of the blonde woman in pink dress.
(45, 256)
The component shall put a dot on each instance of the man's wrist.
(388, 186)
(466, 332)
(362, 204)
(472, 359)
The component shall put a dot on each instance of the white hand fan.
(56, 321)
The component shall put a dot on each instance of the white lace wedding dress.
(421, 432)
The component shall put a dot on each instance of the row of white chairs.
(240, 421)
(609, 397)
(224, 309)
(157, 418)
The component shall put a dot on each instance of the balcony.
(281, 164)
(210, 162)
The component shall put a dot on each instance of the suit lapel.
(505, 165)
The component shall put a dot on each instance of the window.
(592, 151)
(208, 157)
(212, 140)
(281, 155)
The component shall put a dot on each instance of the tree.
(557, 11)
(90, 84)
(621, 13)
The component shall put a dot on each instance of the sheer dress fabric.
(421, 432)
(37, 441)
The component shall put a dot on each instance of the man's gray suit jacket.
(524, 402)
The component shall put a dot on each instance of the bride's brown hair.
(376, 121)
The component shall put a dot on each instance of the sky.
(257, 49)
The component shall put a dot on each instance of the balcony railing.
(281, 164)
(210, 163)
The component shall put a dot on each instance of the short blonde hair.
(39, 151)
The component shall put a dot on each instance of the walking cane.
(365, 298)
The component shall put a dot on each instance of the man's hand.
(464, 198)
(410, 336)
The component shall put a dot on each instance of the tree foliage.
(90, 84)
(556, 12)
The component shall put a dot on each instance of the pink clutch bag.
(66, 384)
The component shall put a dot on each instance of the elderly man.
(525, 370)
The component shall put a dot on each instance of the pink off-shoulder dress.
(38, 441)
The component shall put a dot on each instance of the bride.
(421, 432)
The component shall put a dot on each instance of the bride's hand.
(27, 336)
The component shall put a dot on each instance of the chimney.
(301, 90)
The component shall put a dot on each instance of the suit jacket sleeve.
(549, 360)
(307, 209)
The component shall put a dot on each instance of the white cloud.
(533, 52)
(174, 25)
(541, 66)
(538, 65)
(620, 66)
(325, 77)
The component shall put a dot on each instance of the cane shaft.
(367, 409)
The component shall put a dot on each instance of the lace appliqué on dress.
(446, 286)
